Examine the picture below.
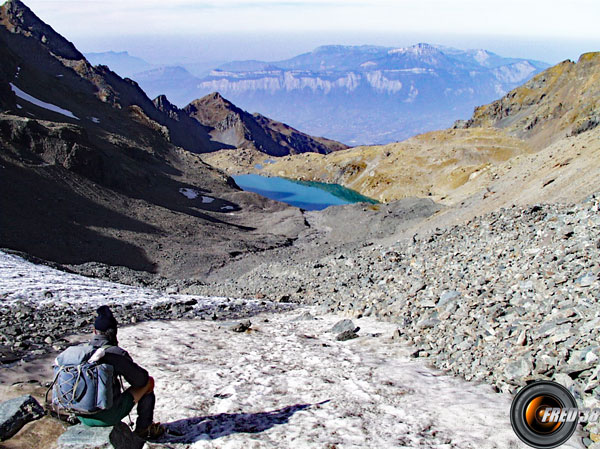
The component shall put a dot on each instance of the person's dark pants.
(145, 411)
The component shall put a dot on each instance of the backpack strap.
(96, 356)
(49, 403)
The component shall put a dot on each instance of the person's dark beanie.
(105, 319)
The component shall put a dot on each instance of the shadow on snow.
(191, 430)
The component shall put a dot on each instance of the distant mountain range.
(356, 94)
(207, 124)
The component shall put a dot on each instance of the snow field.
(285, 383)
(288, 383)
(24, 281)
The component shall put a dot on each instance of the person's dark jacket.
(123, 364)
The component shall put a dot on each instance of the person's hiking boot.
(152, 432)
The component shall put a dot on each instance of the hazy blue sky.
(169, 30)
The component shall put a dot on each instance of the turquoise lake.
(307, 195)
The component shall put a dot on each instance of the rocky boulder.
(17, 412)
(83, 437)
(343, 326)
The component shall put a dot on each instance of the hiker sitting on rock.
(142, 385)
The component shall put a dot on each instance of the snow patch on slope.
(21, 280)
(190, 194)
(286, 382)
(42, 104)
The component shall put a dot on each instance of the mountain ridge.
(76, 79)
(550, 106)
(123, 94)
(240, 129)
(356, 94)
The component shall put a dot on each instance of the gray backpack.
(82, 386)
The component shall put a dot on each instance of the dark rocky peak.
(237, 128)
(216, 99)
(19, 19)
(212, 107)
(163, 104)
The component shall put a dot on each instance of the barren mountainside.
(239, 129)
(54, 71)
(346, 309)
(561, 101)
(92, 171)
(67, 124)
